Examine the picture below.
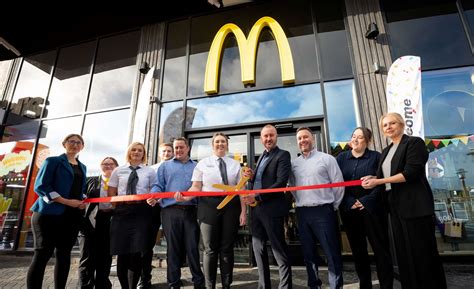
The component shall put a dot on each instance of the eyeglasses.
(74, 142)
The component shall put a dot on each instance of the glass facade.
(435, 32)
(99, 74)
(87, 88)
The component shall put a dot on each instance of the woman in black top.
(362, 212)
(57, 213)
(94, 242)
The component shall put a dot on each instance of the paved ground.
(13, 275)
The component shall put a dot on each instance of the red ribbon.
(164, 195)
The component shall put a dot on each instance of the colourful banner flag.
(404, 93)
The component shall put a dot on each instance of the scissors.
(243, 181)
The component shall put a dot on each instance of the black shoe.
(144, 285)
(202, 286)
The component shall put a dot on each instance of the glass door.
(245, 146)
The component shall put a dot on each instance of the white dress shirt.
(317, 168)
(207, 172)
(119, 179)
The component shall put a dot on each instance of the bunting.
(430, 143)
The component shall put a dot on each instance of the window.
(104, 137)
(430, 29)
(71, 80)
(271, 104)
(114, 72)
(174, 79)
(341, 106)
(448, 102)
(332, 40)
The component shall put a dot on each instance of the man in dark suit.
(272, 171)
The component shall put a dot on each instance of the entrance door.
(245, 147)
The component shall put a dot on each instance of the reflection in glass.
(52, 135)
(281, 103)
(30, 94)
(114, 72)
(171, 121)
(104, 135)
(34, 76)
(71, 80)
(432, 30)
(448, 101)
(285, 142)
(448, 158)
(202, 148)
(341, 101)
(174, 78)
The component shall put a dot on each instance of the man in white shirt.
(165, 152)
(316, 209)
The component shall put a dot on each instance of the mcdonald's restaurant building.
(198, 69)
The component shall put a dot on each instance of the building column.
(150, 51)
(367, 52)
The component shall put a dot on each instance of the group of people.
(394, 190)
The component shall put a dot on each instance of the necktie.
(132, 181)
(223, 171)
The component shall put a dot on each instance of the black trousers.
(360, 226)
(95, 261)
(148, 254)
(129, 268)
(53, 233)
(218, 236)
(267, 228)
(182, 231)
(417, 253)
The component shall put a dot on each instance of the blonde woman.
(131, 221)
(401, 173)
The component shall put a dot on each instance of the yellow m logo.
(248, 53)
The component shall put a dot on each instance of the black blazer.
(412, 198)
(93, 191)
(275, 175)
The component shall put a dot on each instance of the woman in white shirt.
(218, 227)
(131, 221)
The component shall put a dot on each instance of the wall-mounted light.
(144, 67)
(376, 67)
(372, 31)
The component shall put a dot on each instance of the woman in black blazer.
(410, 202)
(94, 240)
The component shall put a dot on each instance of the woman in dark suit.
(94, 242)
(362, 212)
(410, 202)
(57, 213)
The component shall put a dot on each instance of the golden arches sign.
(248, 53)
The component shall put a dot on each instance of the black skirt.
(130, 228)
